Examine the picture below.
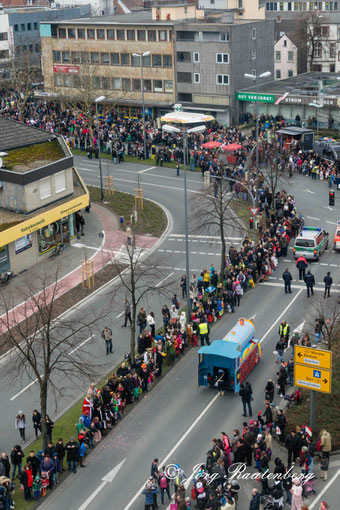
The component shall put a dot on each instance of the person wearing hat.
(150, 492)
(228, 503)
(296, 491)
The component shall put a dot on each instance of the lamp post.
(185, 132)
(317, 106)
(141, 55)
(256, 78)
(99, 100)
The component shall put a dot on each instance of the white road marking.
(280, 316)
(287, 260)
(146, 170)
(24, 389)
(299, 328)
(325, 489)
(162, 281)
(81, 345)
(179, 442)
(117, 316)
(207, 237)
(106, 479)
(331, 222)
(333, 265)
(323, 264)
(311, 218)
(309, 191)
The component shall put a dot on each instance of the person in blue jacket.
(150, 492)
(255, 500)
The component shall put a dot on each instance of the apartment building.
(290, 8)
(243, 9)
(324, 43)
(193, 58)
(290, 55)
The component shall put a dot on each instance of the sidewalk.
(93, 246)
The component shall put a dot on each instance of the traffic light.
(331, 197)
(251, 223)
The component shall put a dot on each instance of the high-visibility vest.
(203, 327)
(283, 330)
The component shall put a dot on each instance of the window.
(106, 83)
(290, 73)
(105, 59)
(90, 33)
(212, 2)
(100, 33)
(136, 84)
(45, 188)
(147, 60)
(167, 60)
(71, 33)
(156, 60)
(157, 86)
(81, 33)
(278, 74)
(168, 86)
(162, 35)
(75, 57)
(290, 56)
(152, 35)
(56, 56)
(121, 35)
(62, 33)
(116, 83)
(325, 31)
(96, 82)
(60, 181)
(332, 50)
(184, 97)
(126, 83)
(285, 42)
(131, 35)
(94, 57)
(332, 68)
(338, 56)
(222, 79)
(16, 28)
(317, 49)
(240, 4)
(197, 78)
(141, 35)
(110, 34)
(183, 56)
(135, 60)
(35, 25)
(29, 26)
(23, 28)
(253, 33)
(58, 80)
(85, 57)
(37, 48)
(278, 56)
(184, 77)
(4, 54)
(196, 57)
(30, 47)
(222, 58)
(253, 54)
(66, 57)
(147, 85)
(224, 36)
(125, 59)
(114, 59)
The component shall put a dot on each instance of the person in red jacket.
(301, 264)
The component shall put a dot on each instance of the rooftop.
(13, 134)
(305, 84)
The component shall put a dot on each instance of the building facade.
(194, 58)
(243, 9)
(288, 7)
(98, 7)
(40, 193)
(324, 44)
(19, 28)
(290, 55)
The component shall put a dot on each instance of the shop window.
(45, 188)
(60, 181)
(58, 80)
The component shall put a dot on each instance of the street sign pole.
(312, 410)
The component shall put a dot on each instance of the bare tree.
(273, 176)
(329, 311)
(212, 213)
(316, 38)
(138, 280)
(48, 347)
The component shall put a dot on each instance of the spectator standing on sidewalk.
(255, 500)
(325, 442)
(246, 394)
(107, 335)
(127, 313)
(296, 491)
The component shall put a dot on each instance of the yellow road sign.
(316, 379)
(313, 357)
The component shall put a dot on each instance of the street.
(177, 420)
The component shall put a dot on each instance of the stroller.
(294, 398)
(268, 503)
(308, 487)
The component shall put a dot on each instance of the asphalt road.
(176, 421)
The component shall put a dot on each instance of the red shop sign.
(57, 68)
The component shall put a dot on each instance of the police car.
(337, 237)
(311, 243)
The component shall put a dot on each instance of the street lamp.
(317, 106)
(141, 55)
(256, 78)
(198, 129)
(99, 99)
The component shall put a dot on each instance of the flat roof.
(136, 17)
(305, 84)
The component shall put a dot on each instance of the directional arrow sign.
(312, 379)
(316, 358)
(254, 210)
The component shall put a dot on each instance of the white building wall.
(4, 29)
(98, 7)
(286, 66)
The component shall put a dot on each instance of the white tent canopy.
(186, 118)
